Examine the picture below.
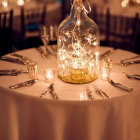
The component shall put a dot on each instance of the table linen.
(24, 115)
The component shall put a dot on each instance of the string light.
(4, 3)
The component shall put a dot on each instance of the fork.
(119, 85)
(130, 62)
(134, 76)
(123, 60)
(50, 89)
(24, 84)
(24, 58)
(12, 72)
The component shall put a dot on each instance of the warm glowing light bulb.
(4, 3)
(49, 75)
(75, 65)
(124, 3)
(78, 22)
(20, 2)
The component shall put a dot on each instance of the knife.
(120, 85)
(46, 90)
(103, 93)
(52, 92)
(130, 62)
(105, 54)
(42, 52)
(23, 84)
(26, 59)
(12, 72)
(89, 93)
(9, 59)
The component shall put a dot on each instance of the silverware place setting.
(120, 85)
(24, 58)
(105, 54)
(13, 60)
(51, 90)
(133, 76)
(23, 84)
(89, 93)
(19, 59)
(43, 51)
(11, 72)
(101, 93)
(130, 62)
(124, 60)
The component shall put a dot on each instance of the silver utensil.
(11, 72)
(52, 92)
(130, 62)
(102, 93)
(43, 53)
(14, 60)
(99, 92)
(89, 93)
(134, 76)
(44, 93)
(50, 89)
(24, 58)
(134, 57)
(120, 85)
(24, 84)
(105, 54)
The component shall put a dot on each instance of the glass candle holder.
(32, 69)
(105, 73)
(49, 75)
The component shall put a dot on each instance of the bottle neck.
(77, 9)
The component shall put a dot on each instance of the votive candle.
(49, 75)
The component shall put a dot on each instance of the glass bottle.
(78, 44)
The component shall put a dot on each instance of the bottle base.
(70, 79)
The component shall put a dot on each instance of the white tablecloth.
(24, 115)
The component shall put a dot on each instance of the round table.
(24, 115)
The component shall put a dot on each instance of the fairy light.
(4, 3)
(76, 62)
(20, 2)
(78, 22)
(75, 65)
(124, 3)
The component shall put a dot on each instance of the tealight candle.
(49, 75)
(105, 74)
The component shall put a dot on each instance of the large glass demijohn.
(78, 44)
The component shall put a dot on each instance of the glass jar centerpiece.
(78, 44)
